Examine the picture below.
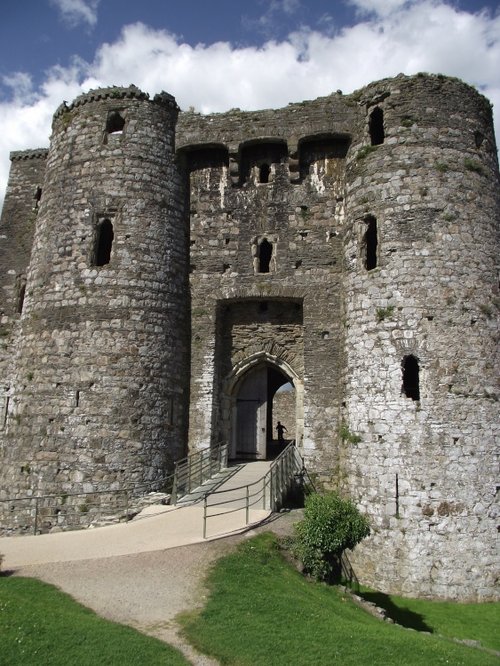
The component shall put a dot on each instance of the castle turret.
(17, 226)
(98, 395)
(421, 299)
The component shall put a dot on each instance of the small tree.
(330, 525)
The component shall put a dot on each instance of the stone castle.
(166, 275)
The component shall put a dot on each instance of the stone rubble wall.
(17, 225)
(302, 216)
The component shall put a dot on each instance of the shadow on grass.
(7, 572)
(402, 616)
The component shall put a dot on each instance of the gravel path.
(147, 590)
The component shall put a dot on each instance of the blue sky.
(218, 54)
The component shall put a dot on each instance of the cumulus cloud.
(427, 35)
(379, 7)
(77, 12)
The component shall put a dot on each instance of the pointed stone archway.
(248, 422)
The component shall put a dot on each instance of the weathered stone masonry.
(346, 245)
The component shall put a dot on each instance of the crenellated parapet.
(116, 94)
(32, 154)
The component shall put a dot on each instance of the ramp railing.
(38, 514)
(269, 492)
(192, 471)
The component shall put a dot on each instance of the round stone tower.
(98, 398)
(421, 305)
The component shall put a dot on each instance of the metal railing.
(270, 491)
(73, 510)
(192, 471)
(41, 513)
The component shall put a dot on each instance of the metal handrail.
(62, 503)
(196, 468)
(80, 509)
(284, 470)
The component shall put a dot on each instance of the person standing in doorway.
(280, 429)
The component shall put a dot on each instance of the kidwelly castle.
(166, 275)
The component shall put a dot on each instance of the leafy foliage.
(347, 436)
(330, 525)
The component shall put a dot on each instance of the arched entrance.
(250, 390)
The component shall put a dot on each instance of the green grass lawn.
(478, 622)
(41, 626)
(262, 611)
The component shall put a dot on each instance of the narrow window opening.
(104, 242)
(264, 172)
(261, 156)
(397, 496)
(265, 254)
(6, 410)
(478, 138)
(376, 126)
(77, 398)
(20, 298)
(170, 410)
(115, 123)
(411, 381)
(37, 196)
(370, 243)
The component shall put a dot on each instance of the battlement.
(32, 154)
(116, 93)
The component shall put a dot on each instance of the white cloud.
(379, 7)
(76, 12)
(427, 35)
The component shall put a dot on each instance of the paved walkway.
(156, 528)
(148, 590)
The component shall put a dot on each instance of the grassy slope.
(478, 622)
(41, 625)
(261, 611)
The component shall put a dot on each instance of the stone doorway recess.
(248, 410)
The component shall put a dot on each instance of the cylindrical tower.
(98, 398)
(421, 303)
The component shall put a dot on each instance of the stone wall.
(299, 211)
(17, 226)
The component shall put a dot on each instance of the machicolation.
(172, 280)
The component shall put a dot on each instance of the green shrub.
(472, 165)
(330, 526)
(442, 167)
(364, 151)
(384, 313)
(347, 436)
